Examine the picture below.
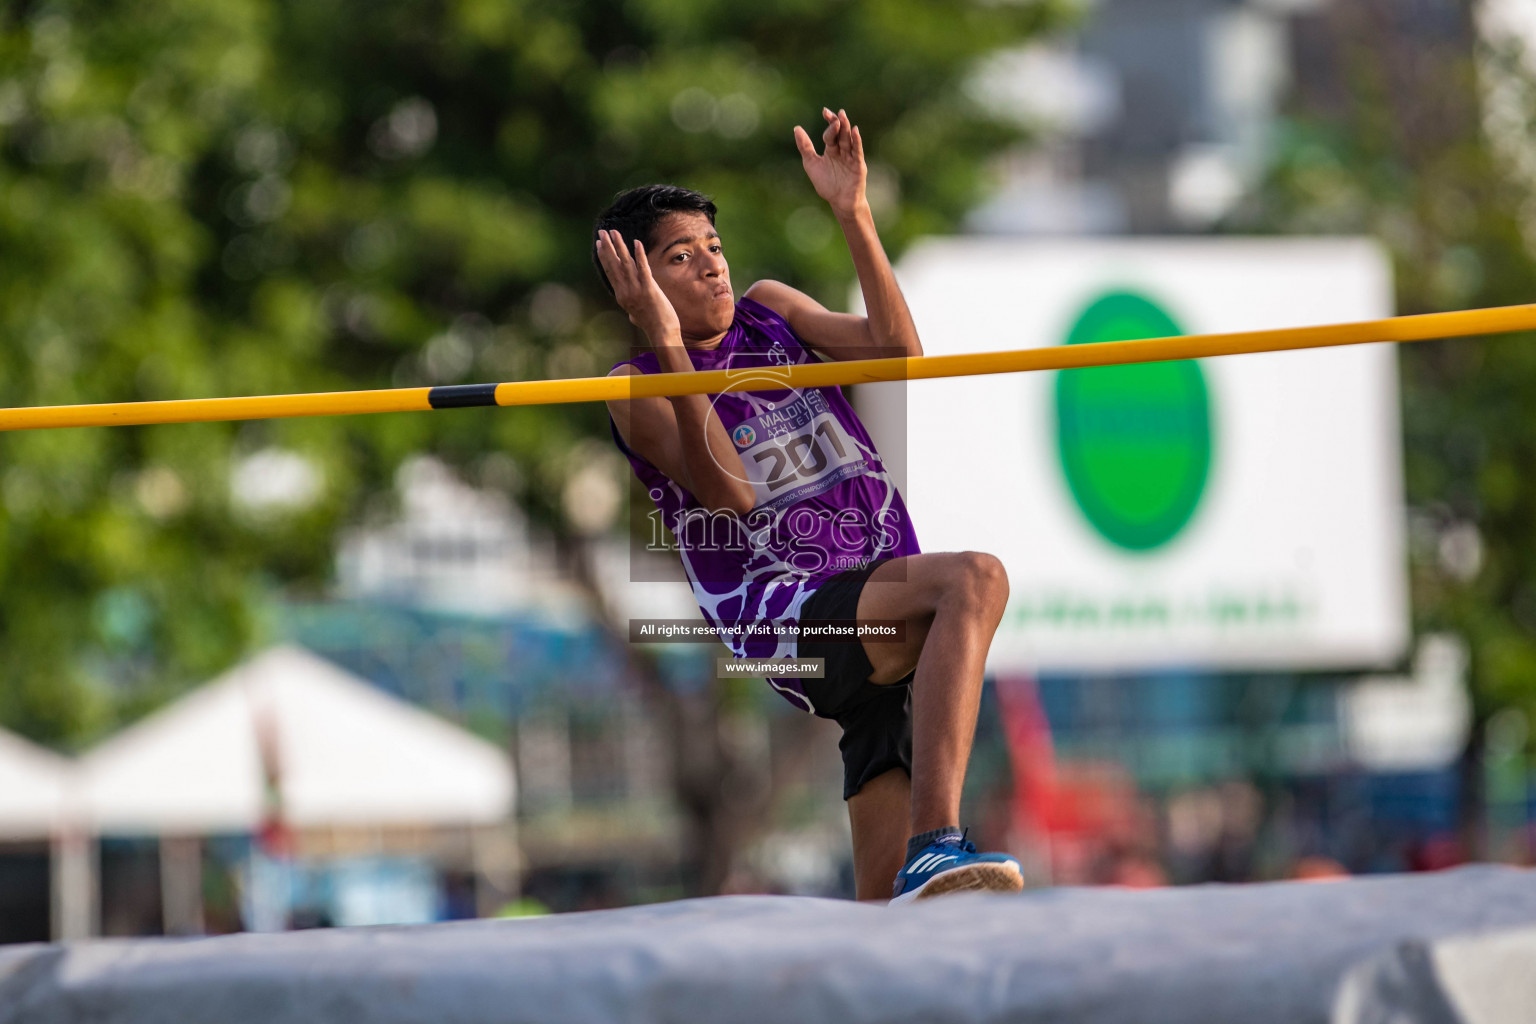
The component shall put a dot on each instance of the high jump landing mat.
(1458, 947)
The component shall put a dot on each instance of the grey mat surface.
(1459, 946)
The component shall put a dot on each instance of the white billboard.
(1244, 512)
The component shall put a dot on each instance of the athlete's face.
(689, 265)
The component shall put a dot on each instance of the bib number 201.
(793, 466)
(803, 457)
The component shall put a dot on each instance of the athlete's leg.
(879, 813)
(952, 604)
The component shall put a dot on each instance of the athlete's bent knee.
(981, 580)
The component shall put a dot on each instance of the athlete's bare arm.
(653, 428)
(680, 436)
(839, 176)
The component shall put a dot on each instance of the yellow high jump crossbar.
(1423, 327)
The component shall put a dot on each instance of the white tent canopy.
(34, 787)
(342, 752)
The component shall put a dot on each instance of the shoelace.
(965, 846)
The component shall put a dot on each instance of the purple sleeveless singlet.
(825, 502)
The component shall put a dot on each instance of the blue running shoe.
(950, 864)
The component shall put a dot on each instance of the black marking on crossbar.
(461, 396)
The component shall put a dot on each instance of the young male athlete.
(783, 512)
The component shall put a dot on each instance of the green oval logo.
(1135, 441)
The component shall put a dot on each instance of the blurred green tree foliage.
(1406, 124)
(226, 197)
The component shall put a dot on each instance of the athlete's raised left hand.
(838, 173)
(636, 290)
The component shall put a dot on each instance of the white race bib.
(796, 450)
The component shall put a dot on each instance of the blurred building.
(459, 604)
(1161, 116)
(1155, 117)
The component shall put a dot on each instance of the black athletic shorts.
(876, 720)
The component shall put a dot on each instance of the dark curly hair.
(635, 214)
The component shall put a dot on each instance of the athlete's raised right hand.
(636, 289)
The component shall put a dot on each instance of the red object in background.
(1137, 873)
(1437, 853)
(1032, 754)
(274, 837)
(1082, 814)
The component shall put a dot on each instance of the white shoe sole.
(993, 876)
